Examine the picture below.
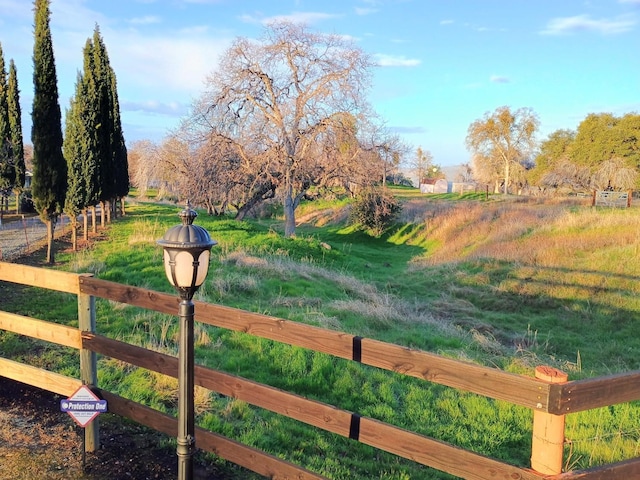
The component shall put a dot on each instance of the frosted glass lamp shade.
(187, 250)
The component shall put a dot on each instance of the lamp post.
(187, 250)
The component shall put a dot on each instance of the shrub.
(375, 210)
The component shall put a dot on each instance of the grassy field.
(504, 282)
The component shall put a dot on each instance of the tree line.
(85, 167)
(602, 154)
(286, 117)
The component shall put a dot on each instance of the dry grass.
(145, 232)
(538, 234)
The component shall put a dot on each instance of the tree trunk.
(85, 224)
(94, 227)
(51, 225)
(506, 176)
(289, 213)
(74, 232)
(103, 209)
(18, 198)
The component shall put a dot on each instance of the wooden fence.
(548, 400)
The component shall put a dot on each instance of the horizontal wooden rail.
(587, 394)
(40, 329)
(40, 277)
(626, 470)
(491, 382)
(251, 458)
(37, 377)
(389, 438)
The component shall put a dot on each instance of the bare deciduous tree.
(277, 102)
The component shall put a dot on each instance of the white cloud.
(498, 79)
(147, 20)
(173, 109)
(446, 22)
(584, 23)
(295, 17)
(384, 60)
(365, 11)
(408, 130)
(175, 62)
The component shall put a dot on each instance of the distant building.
(431, 185)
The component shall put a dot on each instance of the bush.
(375, 210)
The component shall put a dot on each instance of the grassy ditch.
(510, 284)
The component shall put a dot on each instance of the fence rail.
(540, 396)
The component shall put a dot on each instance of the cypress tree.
(7, 169)
(49, 166)
(15, 127)
(118, 147)
(104, 122)
(112, 172)
(92, 164)
(78, 152)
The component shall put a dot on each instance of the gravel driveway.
(18, 238)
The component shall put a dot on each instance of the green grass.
(505, 284)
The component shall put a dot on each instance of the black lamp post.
(187, 249)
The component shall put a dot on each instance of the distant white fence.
(605, 198)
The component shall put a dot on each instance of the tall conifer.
(7, 169)
(79, 152)
(118, 146)
(15, 127)
(49, 166)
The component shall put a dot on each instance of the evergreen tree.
(93, 163)
(49, 182)
(104, 122)
(7, 169)
(111, 171)
(78, 151)
(118, 147)
(15, 127)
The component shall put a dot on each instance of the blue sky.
(440, 64)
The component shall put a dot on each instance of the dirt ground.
(39, 442)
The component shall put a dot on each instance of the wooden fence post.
(548, 430)
(88, 364)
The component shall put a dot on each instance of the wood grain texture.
(41, 330)
(598, 392)
(36, 377)
(39, 277)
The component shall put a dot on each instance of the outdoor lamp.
(187, 249)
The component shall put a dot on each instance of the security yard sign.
(83, 406)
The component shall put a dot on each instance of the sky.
(439, 65)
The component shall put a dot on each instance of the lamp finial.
(188, 215)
